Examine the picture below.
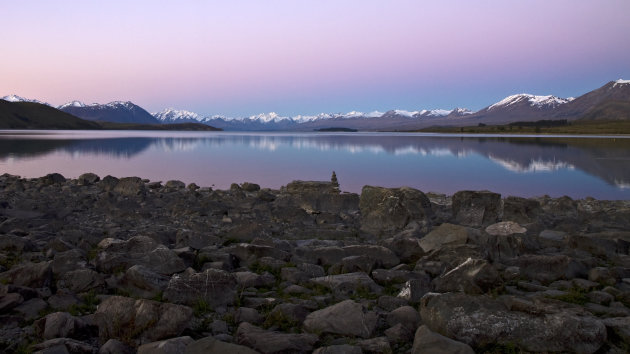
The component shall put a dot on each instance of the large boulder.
(549, 268)
(521, 210)
(274, 342)
(141, 281)
(81, 280)
(476, 208)
(211, 345)
(346, 318)
(389, 210)
(32, 275)
(141, 321)
(214, 287)
(118, 255)
(130, 186)
(429, 342)
(532, 327)
(445, 235)
(315, 197)
(349, 283)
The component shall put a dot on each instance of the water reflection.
(605, 158)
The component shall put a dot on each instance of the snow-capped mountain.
(171, 115)
(16, 98)
(72, 104)
(540, 102)
(117, 111)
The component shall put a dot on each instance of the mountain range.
(610, 102)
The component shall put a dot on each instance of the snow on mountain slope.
(548, 101)
(72, 104)
(16, 98)
(173, 115)
(621, 82)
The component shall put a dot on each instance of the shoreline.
(251, 268)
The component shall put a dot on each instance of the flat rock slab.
(140, 321)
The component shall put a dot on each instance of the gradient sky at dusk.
(243, 57)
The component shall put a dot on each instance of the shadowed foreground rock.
(124, 265)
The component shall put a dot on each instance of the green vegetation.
(582, 126)
(574, 296)
(201, 307)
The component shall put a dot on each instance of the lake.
(511, 165)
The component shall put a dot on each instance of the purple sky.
(304, 57)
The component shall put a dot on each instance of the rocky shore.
(107, 265)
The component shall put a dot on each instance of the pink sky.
(305, 57)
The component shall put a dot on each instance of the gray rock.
(339, 349)
(383, 257)
(215, 287)
(210, 345)
(386, 210)
(620, 326)
(348, 284)
(30, 309)
(474, 276)
(389, 276)
(399, 334)
(175, 185)
(429, 342)
(9, 301)
(293, 313)
(405, 315)
(246, 314)
(81, 280)
(375, 345)
(505, 228)
(141, 281)
(473, 208)
(357, 264)
(140, 321)
(345, 318)
(88, 179)
(57, 345)
(444, 235)
(521, 210)
(114, 346)
(195, 240)
(67, 261)
(130, 186)
(168, 346)
(52, 178)
(407, 249)
(118, 255)
(600, 297)
(249, 254)
(33, 275)
(548, 268)
(480, 320)
(273, 342)
(60, 325)
(253, 280)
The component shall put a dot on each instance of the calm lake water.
(514, 165)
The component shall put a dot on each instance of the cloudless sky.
(243, 57)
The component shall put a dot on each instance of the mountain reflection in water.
(273, 159)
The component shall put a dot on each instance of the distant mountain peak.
(548, 101)
(175, 115)
(621, 82)
(16, 98)
(72, 104)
